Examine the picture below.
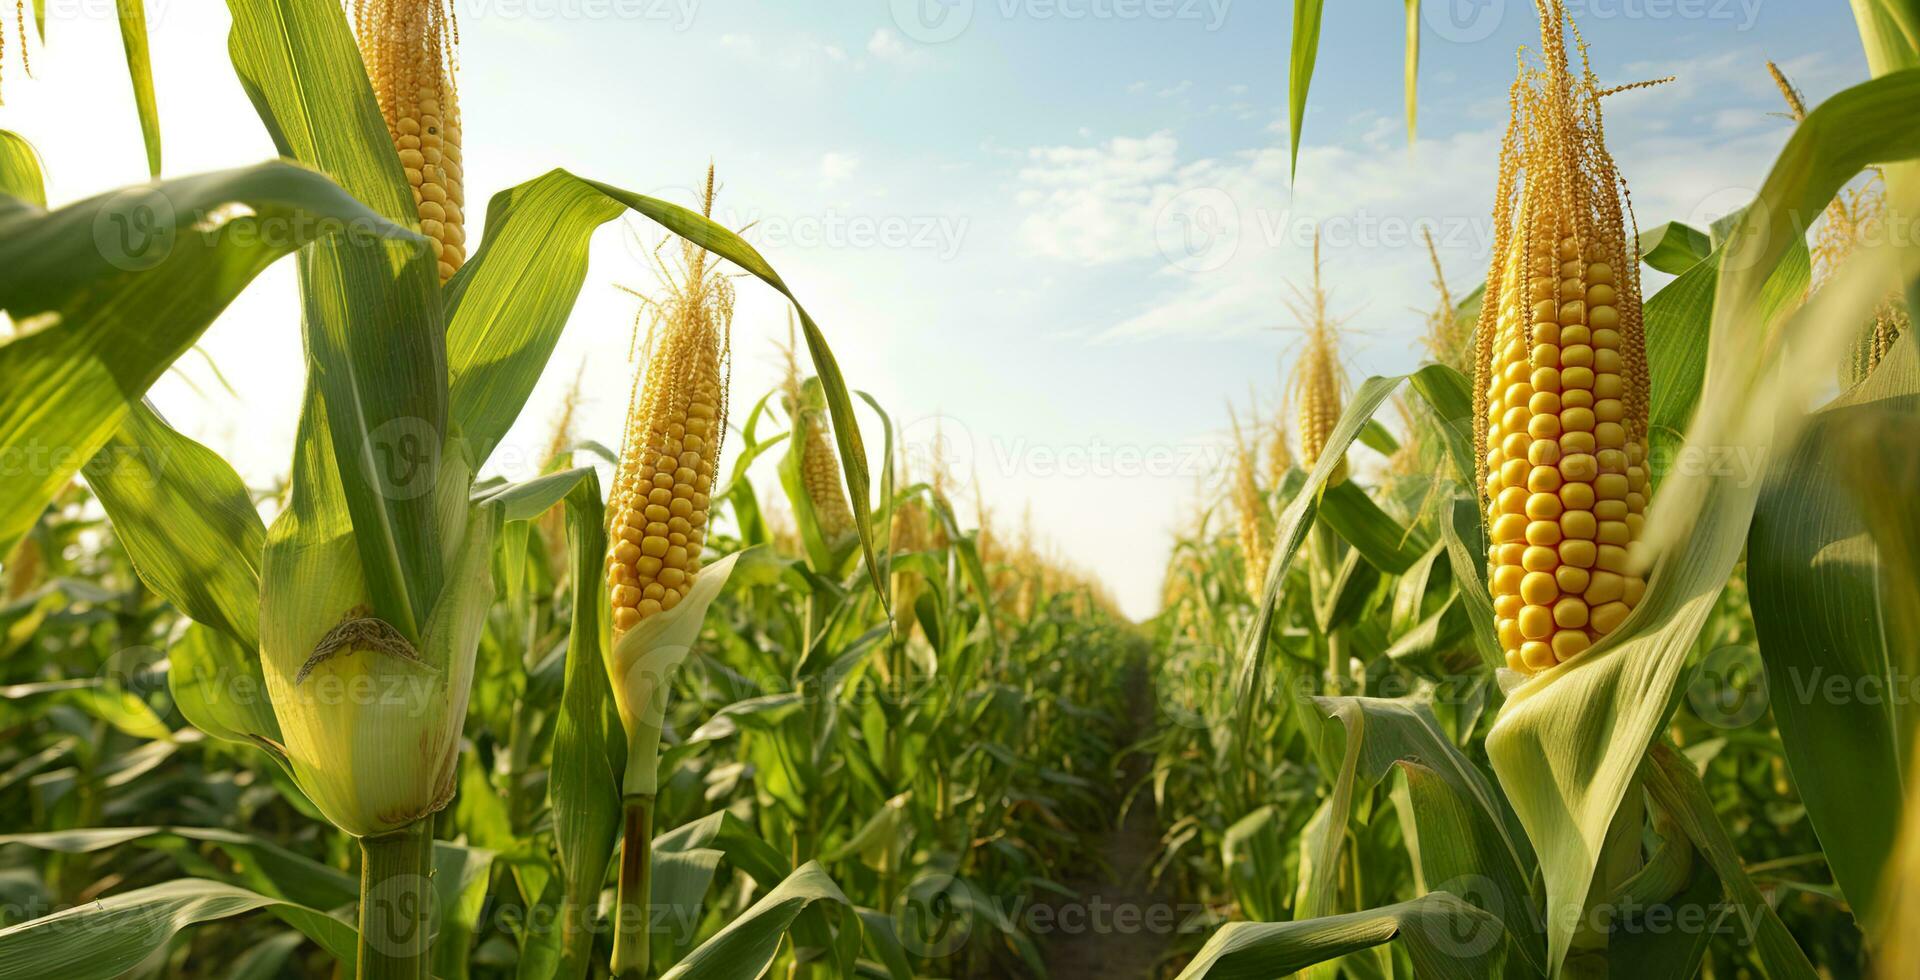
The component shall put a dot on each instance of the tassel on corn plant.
(1561, 375)
(1856, 214)
(408, 47)
(20, 31)
(1318, 384)
(658, 509)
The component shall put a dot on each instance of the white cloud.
(836, 167)
(1095, 205)
(888, 46)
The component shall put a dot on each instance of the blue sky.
(1065, 235)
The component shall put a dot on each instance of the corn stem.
(396, 903)
(633, 914)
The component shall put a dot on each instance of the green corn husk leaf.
(641, 665)
(1569, 742)
(371, 724)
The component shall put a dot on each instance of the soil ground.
(1119, 930)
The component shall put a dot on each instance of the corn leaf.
(1428, 928)
(1673, 248)
(133, 36)
(124, 283)
(747, 945)
(1430, 381)
(1305, 51)
(1568, 744)
(20, 172)
(1838, 679)
(1467, 841)
(123, 930)
(187, 522)
(589, 746)
(1673, 784)
(220, 688)
(375, 341)
(507, 306)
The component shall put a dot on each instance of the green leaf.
(20, 172)
(1297, 518)
(186, 520)
(120, 286)
(1373, 532)
(1672, 783)
(375, 340)
(1815, 567)
(220, 688)
(133, 36)
(262, 865)
(588, 743)
(1674, 247)
(122, 930)
(1466, 840)
(747, 945)
(1443, 936)
(1306, 49)
(506, 309)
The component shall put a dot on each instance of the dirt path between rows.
(1119, 930)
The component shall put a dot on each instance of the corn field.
(1481, 669)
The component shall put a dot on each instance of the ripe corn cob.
(1279, 454)
(819, 467)
(658, 507)
(909, 534)
(408, 47)
(1318, 381)
(1250, 509)
(1561, 376)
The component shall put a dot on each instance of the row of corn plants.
(418, 721)
(1560, 691)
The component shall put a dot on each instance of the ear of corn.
(1318, 380)
(819, 467)
(1561, 378)
(408, 47)
(908, 533)
(676, 419)
(1250, 508)
(1279, 454)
